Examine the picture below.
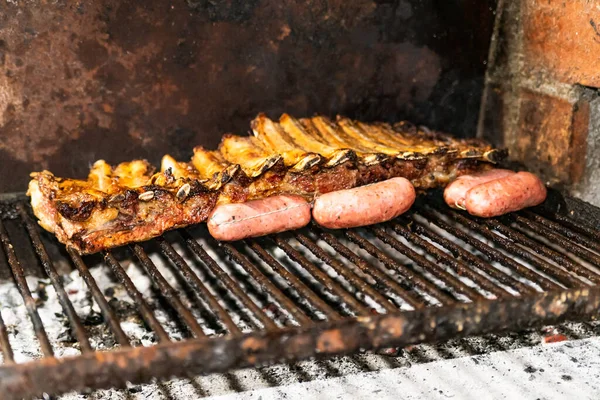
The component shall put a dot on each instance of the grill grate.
(433, 274)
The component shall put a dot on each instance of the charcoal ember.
(390, 351)
(93, 319)
(134, 389)
(550, 334)
(555, 338)
(122, 308)
(102, 337)
(40, 294)
(66, 336)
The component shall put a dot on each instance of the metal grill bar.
(547, 252)
(168, 292)
(267, 285)
(19, 275)
(7, 352)
(408, 274)
(561, 229)
(574, 225)
(380, 277)
(510, 245)
(458, 251)
(201, 290)
(321, 277)
(296, 283)
(137, 297)
(437, 271)
(492, 253)
(56, 281)
(196, 356)
(349, 275)
(561, 241)
(226, 280)
(105, 309)
(460, 268)
(454, 290)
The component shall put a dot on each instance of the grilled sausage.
(364, 205)
(274, 214)
(455, 193)
(500, 196)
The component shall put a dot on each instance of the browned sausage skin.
(364, 205)
(254, 218)
(504, 195)
(487, 194)
(456, 192)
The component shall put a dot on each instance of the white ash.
(26, 347)
(507, 270)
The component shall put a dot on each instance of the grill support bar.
(195, 356)
(7, 352)
(105, 309)
(323, 277)
(19, 275)
(56, 281)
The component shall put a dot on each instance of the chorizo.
(455, 193)
(504, 195)
(364, 205)
(254, 218)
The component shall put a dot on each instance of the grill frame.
(339, 334)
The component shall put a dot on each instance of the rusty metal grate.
(432, 274)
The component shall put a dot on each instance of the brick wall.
(541, 94)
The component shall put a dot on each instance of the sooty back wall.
(137, 79)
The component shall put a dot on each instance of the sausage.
(274, 214)
(455, 193)
(364, 205)
(500, 196)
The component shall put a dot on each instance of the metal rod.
(563, 230)
(407, 274)
(321, 277)
(56, 281)
(508, 244)
(226, 280)
(201, 290)
(105, 309)
(136, 296)
(349, 275)
(206, 355)
(21, 282)
(458, 266)
(381, 278)
(576, 226)
(546, 252)
(492, 253)
(434, 269)
(559, 240)
(293, 280)
(168, 292)
(266, 284)
(458, 251)
(7, 352)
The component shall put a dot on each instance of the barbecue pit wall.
(541, 96)
(113, 80)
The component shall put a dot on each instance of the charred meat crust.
(138, 220)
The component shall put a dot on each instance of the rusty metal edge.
(205, 355)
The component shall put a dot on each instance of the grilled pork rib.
(306, 157)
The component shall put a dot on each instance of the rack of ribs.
(288, 163)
